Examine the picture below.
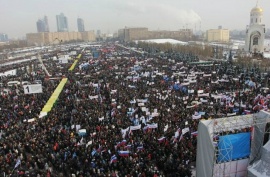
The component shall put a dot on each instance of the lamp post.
(41, 62)
(60, 42)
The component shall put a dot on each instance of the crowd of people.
(121, 115)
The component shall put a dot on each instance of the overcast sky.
(18, 17)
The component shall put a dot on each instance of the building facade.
(62, 23)
(3, 37)
(49, 38)
(42, 25)
(129, 34)
(80, 24)
(255, 32)
(218, 35)
(182, 34)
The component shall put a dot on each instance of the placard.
(34, 88)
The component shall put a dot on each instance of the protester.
(120, 115)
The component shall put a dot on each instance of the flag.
(152, 125)
(123, 153)
(124, 132)
(181, 137)
(99, 149)
(162, 139)
(18, 162)
(185, 130)
(215, 144)
(215, 137)
(128, 146)
(166, 128)
(113, 159)
(194, 133)
(140, 148)
(74, 155)
(145, 128)
(65, 156)
(176, 134)
(123, 142)
(101, 119)
(104, 150)
(93, 152)
(196, 116)
(247, 111)
(137, 127)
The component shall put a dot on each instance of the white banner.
(63, 60)
(185, 130)
(93, 97)
(35, 88)
(138, 127)
(196, 116)
(152, 125)
(124, 132)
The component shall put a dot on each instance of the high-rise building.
(98, 33)
(80, 24)
(48, 38)
(46, 24)
(62, 23)
(3, 37)
(42, 25)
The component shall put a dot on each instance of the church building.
(255, 32)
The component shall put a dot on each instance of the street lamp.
(60, 42)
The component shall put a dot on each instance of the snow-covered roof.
(161, 41)
(266, 55)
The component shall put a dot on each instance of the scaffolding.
(226, 165)
(261, 127)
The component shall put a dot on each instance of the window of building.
(252, 20)
(256, 20)
(255, 41)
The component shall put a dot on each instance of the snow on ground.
(161, 41)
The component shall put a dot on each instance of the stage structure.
(259, 163)
(227, 146)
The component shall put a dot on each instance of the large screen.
(234, 146)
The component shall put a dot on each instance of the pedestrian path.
(47, 108)
(50, 103)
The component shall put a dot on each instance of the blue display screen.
(234, 146)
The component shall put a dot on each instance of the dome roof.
(256, 9)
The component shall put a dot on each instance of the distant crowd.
(121, 116)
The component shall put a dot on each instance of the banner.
(124, 132)
(30, 89)
(196, 116)
(138, 127)
(152, 125)
(185, 130)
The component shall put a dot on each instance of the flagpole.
(12, 171)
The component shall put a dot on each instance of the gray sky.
(18, 17)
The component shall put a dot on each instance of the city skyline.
(111, 15)
(62, 23)
(80, 23)
(42, 24)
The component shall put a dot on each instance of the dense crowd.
(122, 116)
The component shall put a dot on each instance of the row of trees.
(204, 52)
